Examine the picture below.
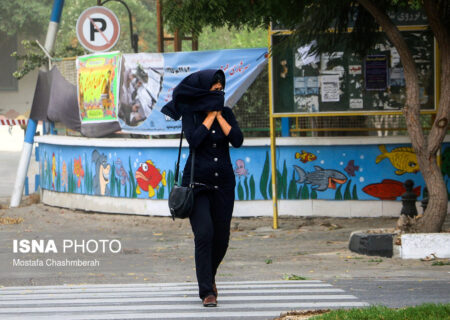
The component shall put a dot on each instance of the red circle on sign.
(115, 25)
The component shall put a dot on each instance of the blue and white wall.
(316, 176)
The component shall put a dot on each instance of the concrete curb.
(425, 245)
(372, 243)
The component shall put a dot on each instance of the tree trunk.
(426, 149)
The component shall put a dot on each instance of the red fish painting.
(78, 170)
(305, 156)
(148, 178)
(388, 189)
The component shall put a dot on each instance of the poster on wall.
(148, 80)
(376, 72)
(98, 78)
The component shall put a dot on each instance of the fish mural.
(148, 178)
(388, 189)
(121, 173)
(78, 170)
(53, 170)
(240, 168)
(127, 172)
(305, 156)
(102, 170)
(64, 175)
(351, 168)
(403, 159)
(322, 178)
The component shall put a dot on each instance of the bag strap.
(177, 169)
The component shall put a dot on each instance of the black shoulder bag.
(181, 199)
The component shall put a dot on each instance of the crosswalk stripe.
(26, 301)
(194, 315)
(167, 293)
(151, 289)
(266, 305)
(246, 299)
(168, 284)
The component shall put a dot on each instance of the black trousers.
(210, 222)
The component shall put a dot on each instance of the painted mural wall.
(340, 172)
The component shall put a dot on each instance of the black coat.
(212, 156)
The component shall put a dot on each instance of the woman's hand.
(224, 125)
(210, 116)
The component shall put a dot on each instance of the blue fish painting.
(121, 173)
(321, 179)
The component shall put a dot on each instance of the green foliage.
(441, 263)
(308, 18)
(293, 277)
(88, 176)
(292, 189)
(32, 58)
(313, 194)
(160, 193)
(252, 188)
(71, 186)
(240, 191)
(58, 181)
(30, 17)
(354, 193)
(232, 38)
(170, 181)
(113, 180)
(422, 312)
(270, 188)
(283, 184)
(133, 182)
(304, 195)
(246, 188)
(265, 177)
(338, 195)
(347, 194)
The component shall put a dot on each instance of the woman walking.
(209, 128)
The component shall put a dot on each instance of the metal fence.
(252, 114)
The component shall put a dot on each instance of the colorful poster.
(148, 80)
(98, 78)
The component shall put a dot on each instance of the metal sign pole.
(273, 159)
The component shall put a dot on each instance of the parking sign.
(98, 29)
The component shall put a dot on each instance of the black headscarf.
(193, 94)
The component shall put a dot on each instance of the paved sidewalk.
(157, 249)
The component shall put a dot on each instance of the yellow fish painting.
(305, 156)
(403, 159)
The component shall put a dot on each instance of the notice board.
(342, 82)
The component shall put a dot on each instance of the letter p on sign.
(98, 29)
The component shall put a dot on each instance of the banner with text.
(148, 80)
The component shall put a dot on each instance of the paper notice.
(355, 69)
(329, 87)
(356, 103)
